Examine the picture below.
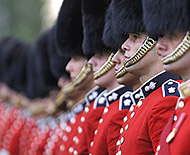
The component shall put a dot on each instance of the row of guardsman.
(128, 90)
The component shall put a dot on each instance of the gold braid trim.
(180, 50)
(105, 68)
(87, 68)
(146, 46)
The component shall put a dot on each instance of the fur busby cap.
(13, 62)
(39, 78)
(127, 17)
(93, 16)
(56, 62)
(166, 16)
(110, 38)
(69, 31)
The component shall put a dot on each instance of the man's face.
(97, 61)
(167, 45)
(75, 65)
(130, 46)
(128, 78)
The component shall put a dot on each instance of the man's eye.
(135, 37)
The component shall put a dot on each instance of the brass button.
(82, 119)
(132, 115)
(125, 119)
(126, 127)
(122, 140)
(139, 104)
(101, 120)
(175, 118)
(86, 109)
(181, 105)
(118, 143)
(121, 131)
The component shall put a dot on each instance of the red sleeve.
(159, 117)
(114, 131)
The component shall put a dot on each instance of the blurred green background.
(26, 19)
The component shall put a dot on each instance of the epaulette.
(125, 101)
(101, 100)
(170, 88)
(185, 89)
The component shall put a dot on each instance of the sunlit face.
(167, 45)
(130, 46)
(75, 65)
(128, 78)
(107, 79)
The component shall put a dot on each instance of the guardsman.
(69, 35)
(144, 123)
(169, 20)
(101, 139)
(112, 40)
(10, 140)
(92, 113)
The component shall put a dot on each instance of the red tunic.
(107, 133)
(86, 128)
(145, 122)
(71, 125)
(178, 144)
(12, 136)
(71, 130)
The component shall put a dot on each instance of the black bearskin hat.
(166, 16)
(40, 80)
(13, 63)
(57, 63)
(93, 16)
(69, 31)
(110, 38)
(127, 17)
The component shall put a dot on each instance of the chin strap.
(87, 68)
(146, 46)
(180, 50)
(105, 68)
